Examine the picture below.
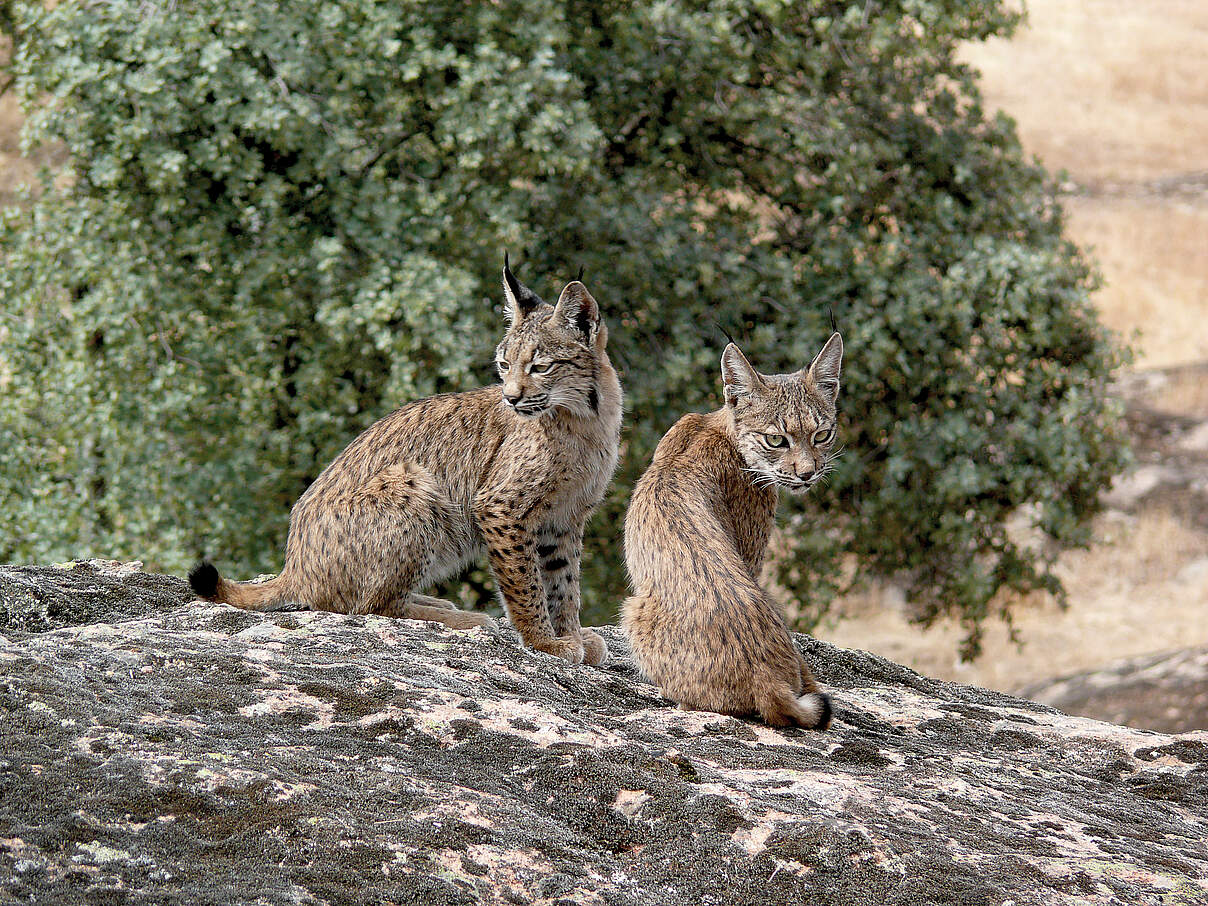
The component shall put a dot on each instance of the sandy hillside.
(1115, 93)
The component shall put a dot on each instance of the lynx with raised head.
(514, 469)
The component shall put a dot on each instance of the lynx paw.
(595, 649)
(458, 619)
(475, 620)
(567, 648)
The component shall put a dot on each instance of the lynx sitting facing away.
(515, 469)
(699, 623)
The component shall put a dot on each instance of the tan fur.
(514, 469)
(699, 624)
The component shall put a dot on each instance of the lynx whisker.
(762, 478)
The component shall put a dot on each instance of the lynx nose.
(513, 398)
(806, 473)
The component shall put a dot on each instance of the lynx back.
(699, 623)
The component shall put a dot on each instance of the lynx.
(514, 468)
(699, 623)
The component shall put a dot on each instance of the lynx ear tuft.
(579, 309)
(738, 376)
(824, 371)
(520, 300)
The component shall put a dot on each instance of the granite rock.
(161, 750)
(1166, 691)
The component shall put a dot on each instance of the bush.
(278, 222)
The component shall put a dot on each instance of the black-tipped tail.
(820, 704)
(204, 579)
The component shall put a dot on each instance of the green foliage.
(277, 222)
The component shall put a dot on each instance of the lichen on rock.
(162, 750)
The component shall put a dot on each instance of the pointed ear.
(578, 309)
(519, 299)
(738, 376)
(824, 370)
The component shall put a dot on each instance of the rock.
(1166, 692)
(35, 598)
(1167, 419)
(192, 753)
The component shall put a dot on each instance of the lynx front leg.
(511, 550)
(559, 552)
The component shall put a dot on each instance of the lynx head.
(784, 424)
(550, 356)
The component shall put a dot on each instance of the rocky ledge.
(157, 749)
(1166, 692)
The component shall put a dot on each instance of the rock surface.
(158, 750)
(1166, 692)
(1170, 443)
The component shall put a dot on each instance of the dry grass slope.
(1116, 94)
(1110, 90)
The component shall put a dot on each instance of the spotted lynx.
(514, 469)
(699, 623)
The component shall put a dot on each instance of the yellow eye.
(779, 441)
(542, 368)
(823, 437)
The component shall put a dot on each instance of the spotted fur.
(699, 623)
(513, 470)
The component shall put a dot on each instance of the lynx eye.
(503, 366)
(540, 369)
(823, 437)
(778, 441)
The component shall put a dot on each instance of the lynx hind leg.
(652, 641)
(383, 538)
(428, 601)
(437, 610)
(449, 615)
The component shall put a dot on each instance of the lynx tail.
(246, 595)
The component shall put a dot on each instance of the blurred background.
(1113, 95)
(234, 235)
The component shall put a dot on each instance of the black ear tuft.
(204, 579)
(520, 300)
(729, 336)
(580, 277)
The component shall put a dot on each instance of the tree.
(278, 222)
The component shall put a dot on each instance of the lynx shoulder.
(513, 469)
(699, 623)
